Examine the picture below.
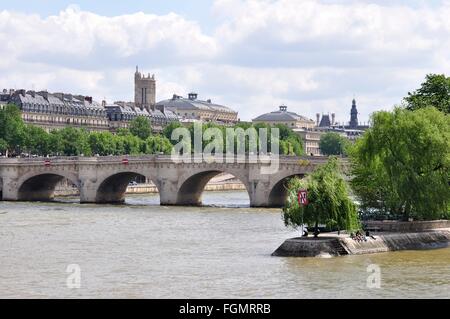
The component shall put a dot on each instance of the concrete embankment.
(151, 188)
(344, 245)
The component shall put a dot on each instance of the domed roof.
(191, 103)
(282, 115)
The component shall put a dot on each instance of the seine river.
(142, 250)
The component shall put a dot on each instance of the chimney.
(208, 100)
(103, 103)
(44, 94)
(317, 119)
(161, 108)
(333, 117)
(59, 96)
(88, 99)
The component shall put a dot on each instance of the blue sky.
(198, 10)
(252, 55)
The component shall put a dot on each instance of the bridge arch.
(192, 186)
(278, 191)
(41, 186)
(113, 187)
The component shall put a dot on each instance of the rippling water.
(142, 250)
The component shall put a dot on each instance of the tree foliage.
(141, 127)
(401, 164)
(36, 140)
(289, 142)
(3, 146)
(12, 128)
(328, 196)
(19, 138)
(435, 91)
(332, 143)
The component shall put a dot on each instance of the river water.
(142, 250)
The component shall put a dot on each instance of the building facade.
(120, 114)
(311, 140)
(144, 90)
(193, 109)
(351, 130)
(282, 116)
(298, 123)
(59, 110)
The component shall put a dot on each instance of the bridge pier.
(9, 189)
(168, 191)
(258, 194)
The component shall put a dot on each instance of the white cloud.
(313, 56)
(84, 36)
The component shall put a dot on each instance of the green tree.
(12, 128)
(332, 143)
(3, 146)
(401, 164)
(36, 140)
(73, 141)
(328, 196)
(435, 91)
(122, 131)
(157, 144)
(102, 143)
(168, 129)
(141, 127)
(131, 144)
(55, 143)
(294, 143)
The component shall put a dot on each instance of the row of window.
(208, 115)
(129, 117)
(38, 108)
(51, 119)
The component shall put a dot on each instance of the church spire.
(353, 115)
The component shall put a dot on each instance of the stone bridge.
(105, 179)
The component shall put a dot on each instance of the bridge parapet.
(105, 178)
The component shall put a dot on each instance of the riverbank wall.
(149, 188)
(338, 245)
(405, 226)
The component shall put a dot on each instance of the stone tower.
(353, 115)
(144, 90)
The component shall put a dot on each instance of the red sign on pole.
(303, 197)
(125, 161)
(47, 162)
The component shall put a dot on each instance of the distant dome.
(192, 103)
(281, 115)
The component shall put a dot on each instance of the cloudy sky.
(253, 55)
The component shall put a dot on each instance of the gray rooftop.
(282, 115)
(192, 103)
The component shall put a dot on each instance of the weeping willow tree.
(401, 165)
(328, 197)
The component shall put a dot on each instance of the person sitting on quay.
(316, 232)
(371, 236)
